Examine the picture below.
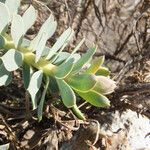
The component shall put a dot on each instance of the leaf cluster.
(49, 66)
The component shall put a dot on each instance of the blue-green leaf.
(3, 1)
(103, 71)
(48, 27)
(84, 59)
(26, 75)
(12, 60)
(62, 48)
(13, 6)
(53, 86)
(41, 46)
(34, 86)
(17, 29)
(40, 107)
(2, 41)
(76, 57)
(5, 146)
(1, 62)
(94, 98)
(76, 48)
(62, 57)
(29, 17)
(4, 16)
(5, 76)
(59, 43)
(25, 42)
(95, 65)
(67, 94)
(64, 69)
(82, 82)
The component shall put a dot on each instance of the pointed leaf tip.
(17, 29)
(60, 42)
(30, 14)
(5, 76)
(34, 86)
(4, 16)
(94, 98)
(95, 65)
(84, 59)
(49, 28)
(13, 6)
(41, 46)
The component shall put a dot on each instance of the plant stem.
(29, 57)
(77, 112)
(42, 64)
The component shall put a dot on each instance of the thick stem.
(29, 57)
(42, 64)
(77, 112)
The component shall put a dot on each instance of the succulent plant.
(50, 66)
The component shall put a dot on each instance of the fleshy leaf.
(25, 42)
(59, 43)
(67, 94)
(1, 62)
(26, 75)
(13, 6)
(40, 107)
(12, 60)
(48, 27)
(17, 29)
(103, 71)
(94, 98)
(34, 43)
(45, 51)
(41, 46)
(76, 57)
(2, 41)
(104, 85)
(82, 82)
(5, 146)
(62, 48)
(53, 86)
(62, 57)
(84, 59)
(29, 17)
(2, 1)
(34, 86)
(64, 69)
(5, 76)
(4, 16)
(76, 48)
(95, 65)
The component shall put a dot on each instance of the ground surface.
(121, 28)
